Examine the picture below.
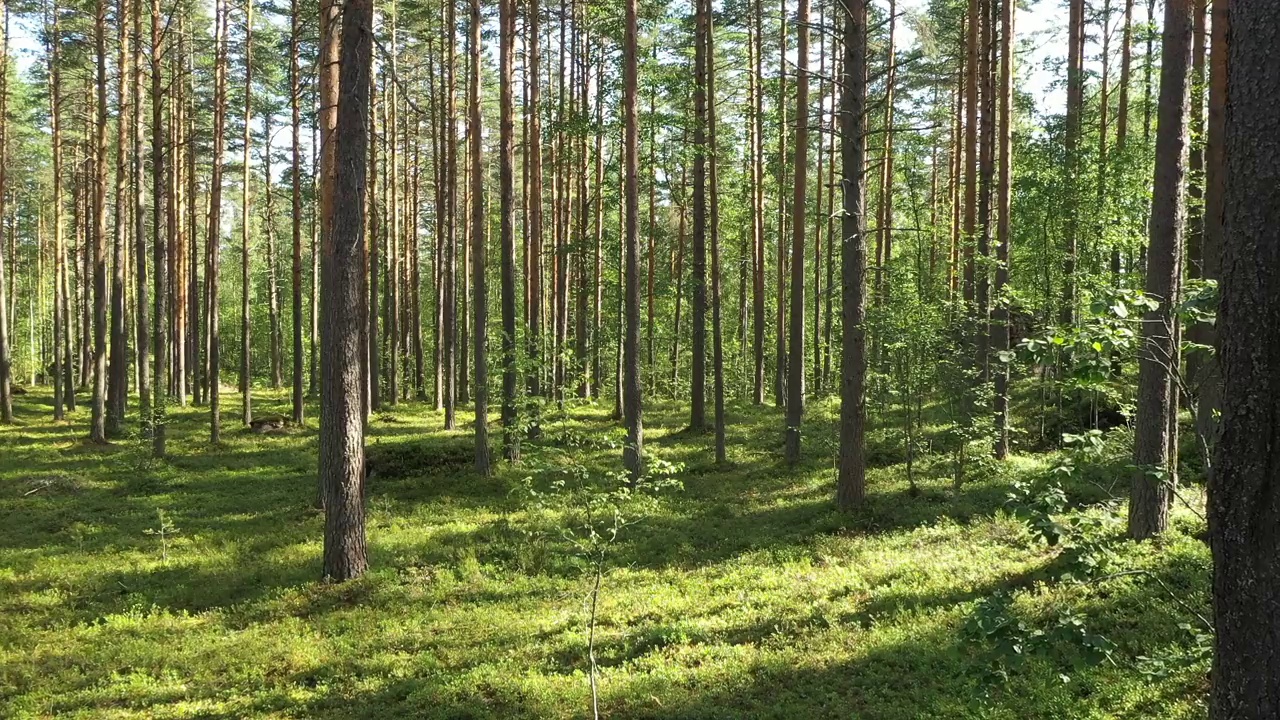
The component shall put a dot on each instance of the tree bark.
(246, 379)
(1244, 495)
(341, 444)
(295, 146)
(118, 381)
(851, 485)
(1155, 464)
(506, 192)
(698, 378)
(795, 350)
(633, 451)
(98, 426)
(480, 303)
(1000, 336)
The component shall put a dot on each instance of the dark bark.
(341, 460)
(1150, 491)
(1244, 490)
(795, 349)
(295, 147)
(633, 451)
(506, 191)
(476, 228)
(851, 484)
(698, 384)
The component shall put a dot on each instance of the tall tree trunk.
(970, 154)
(273, 280)
(214, 237)
(6, 358)
(159, 243)
(884, 223)
(1000, 330)
(142, 323)
(246, 369)
(757, 203)
(118, 382)
(63, 393)
(717, 325)
(986, 171)
(1150, 492)
(506, 192)
(1244, 497)
(480, 303)
(1075, 107)
(633, 451)
(780, 299)
(534, 277)
(698, 384)
(98, 427)
(450, 137)
(1208, 380)
(342, 263)
(795, 351)
(295, 147)
(851, 485)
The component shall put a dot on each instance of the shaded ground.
(745, 595)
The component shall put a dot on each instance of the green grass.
(743, 596)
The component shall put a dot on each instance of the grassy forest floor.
(189, 587)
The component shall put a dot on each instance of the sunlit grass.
(744, 595)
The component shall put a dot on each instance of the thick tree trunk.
(341, 463)
(851, 485)
(1244, 495)
(1158, 356)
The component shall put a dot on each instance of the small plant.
(595, 509)
(1008, 640)
(165, 530)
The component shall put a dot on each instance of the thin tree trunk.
(506, 192)
(295, 147)
(159, 331)
(246, 369)
(480, 304)
(118, 382)
(780, 300)
(717, 325)
(795, 369)
(698, 390)
(757, 203)
(98, 427)
(633, 451)
(1208, 380)
(214, 237)
(1000, 330)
